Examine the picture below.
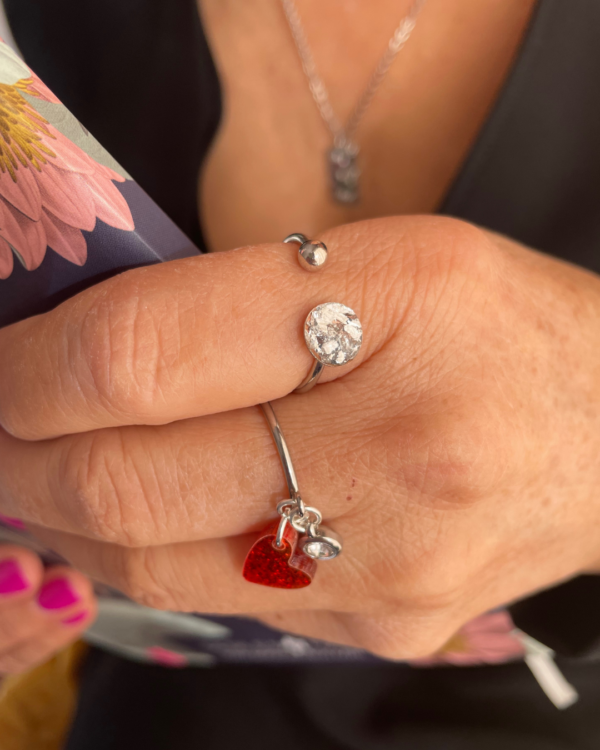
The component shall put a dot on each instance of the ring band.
(317, 542)
(282, 449)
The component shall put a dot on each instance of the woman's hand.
(457, 455)
(41, 611)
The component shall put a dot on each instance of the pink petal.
(492, 621)
(67, 196)
(165, 657)
(65, 239)
(109, 204)
(40, 88)
(107, 172)
(6, 259)
(68, 156)
(23, 194)
(26, 236)
(501, 652)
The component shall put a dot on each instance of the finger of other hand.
(40, 611)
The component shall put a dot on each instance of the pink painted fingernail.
(16, 523)
(12, 579)
(57, 594)
(75, 619)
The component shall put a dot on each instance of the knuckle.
(436, 578)
(12, 422)
(418, 279)
(123, 348)
(15, 358)
(454, 245)
(142, 582)
(450, 469)
(432, 569)
(406, 641)
(454, 264)
(440, 456)
(100, 493)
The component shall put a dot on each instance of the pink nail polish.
(12, 579)
(57, 594)
(14, 522)
(75, 619)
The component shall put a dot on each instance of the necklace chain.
(343, 135)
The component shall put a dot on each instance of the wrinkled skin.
(457, 455)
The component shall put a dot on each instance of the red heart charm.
(283, 568)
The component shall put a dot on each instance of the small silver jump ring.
(290, 507)
(333, 335)
(312, 254)
(304, 522)
(285, 507)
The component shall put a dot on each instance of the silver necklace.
(342, 158)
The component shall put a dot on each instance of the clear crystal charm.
(333, 333)
(321, 543)
(318, 550)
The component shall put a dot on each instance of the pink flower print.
(166, 658)
(488, 639)
(38, 88)
(50, 189)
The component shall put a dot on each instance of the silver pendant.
(344, 173)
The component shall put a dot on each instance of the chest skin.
(267, 174)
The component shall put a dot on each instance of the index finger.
(181, 339)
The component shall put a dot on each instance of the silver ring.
(333, 335)
(312, 254)
(318, 543)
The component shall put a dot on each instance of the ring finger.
(198, 479)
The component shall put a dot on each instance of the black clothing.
(127, 706)
(139, 74)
